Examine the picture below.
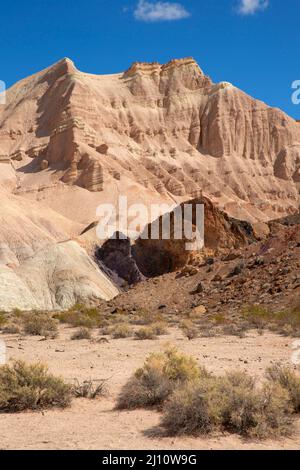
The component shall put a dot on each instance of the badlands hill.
(70, 141)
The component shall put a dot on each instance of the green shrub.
(40, 324)
(31, 387)
(82, 333)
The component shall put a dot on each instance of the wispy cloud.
(250, 7)
(159, 11)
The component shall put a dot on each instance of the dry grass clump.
(39, 324)
(257, 316)
(31, 387)
(286, 322)
(81, 333)
(90, 389)
(145, 333)
(234, 330)
(160, 328)
(154, 382)
(79, 315)
(11, 328)
(3, 319)
(189, 329)
(288, 380)
(144, 318)
(120, 331)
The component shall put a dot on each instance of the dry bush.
(121, 331)
(230, 403)
(11, 328)
(257, 316)
(3, 319)
(249, 411)
(144, 317)
(82, 333)
(79, 315)
(188, 410)
(39, 324)
(145, 333)
(288, 380)
(189, 329)
(234, 330)
(90, 389)
(153, 383)
(31, 387)
(160, 328)
(286, 322)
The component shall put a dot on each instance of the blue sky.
(255, 44)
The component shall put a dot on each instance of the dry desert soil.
(96, 424)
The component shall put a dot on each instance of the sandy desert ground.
(95, 424)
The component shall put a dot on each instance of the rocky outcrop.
(95, 130)
(156, 252)
(56, 277)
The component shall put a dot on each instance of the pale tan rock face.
(164, 128)
(156, 133)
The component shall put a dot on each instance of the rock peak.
(63, 66)
(156, 67)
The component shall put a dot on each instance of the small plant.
(79, 315)
(89, 389)
(145, 333)
(257, 315)
(3, 319)
(11, 329)
(160, 328)
(188, 411)
(189, 329)
(144, 317)
(82, 333)
(40, 324)
(121, 331)
(31, 387)
(154, 382)
(288, 380)
(234, 330)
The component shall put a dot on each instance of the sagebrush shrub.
(31, 387)
(82, 333)
(39, 324)
(287, 379)
(153, 383)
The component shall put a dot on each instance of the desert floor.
(95, 424)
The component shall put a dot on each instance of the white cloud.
(159, 11)
(249, 7)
